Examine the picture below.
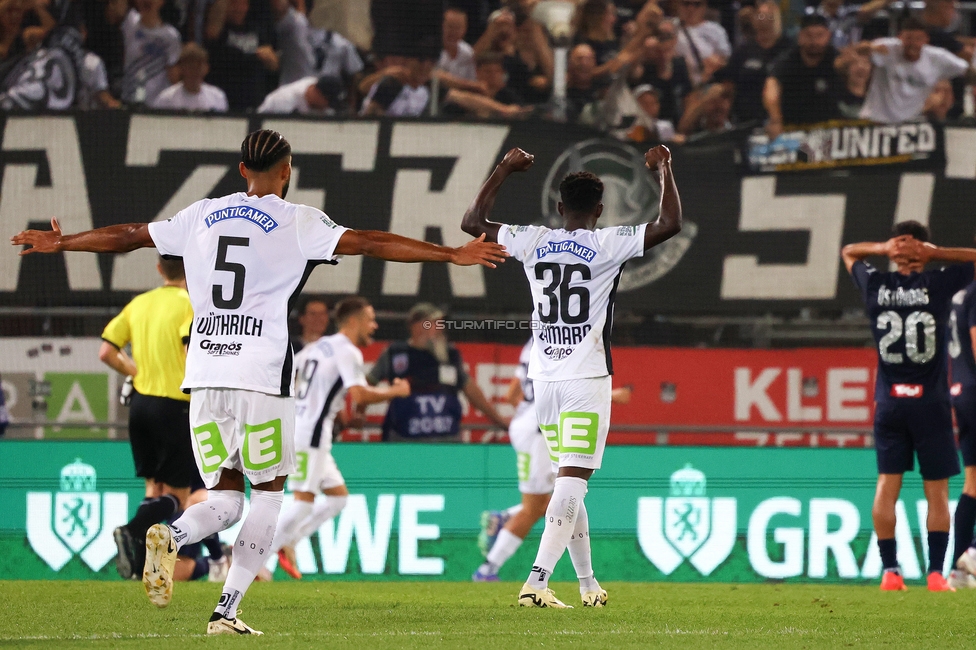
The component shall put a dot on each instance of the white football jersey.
(325, 371)
(573, 277)
(246, 260)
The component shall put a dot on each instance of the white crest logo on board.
(77, 520)
(686, 525)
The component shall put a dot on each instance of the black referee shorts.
(159, 432)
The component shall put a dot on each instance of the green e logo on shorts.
(210, 447)
(577, 432)
(523, 461)
(551, 434)
(301, 461)
(262, 445)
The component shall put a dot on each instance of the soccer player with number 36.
(573, 273)
(909, 310)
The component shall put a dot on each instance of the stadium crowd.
(660, 70)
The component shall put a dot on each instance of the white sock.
(221, 510)
(250, 550)
(579, 552)
(504, 547)
(514, 510)
(321, 513)
(288, 524)
(567, 498)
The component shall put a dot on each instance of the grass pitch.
(455, 615)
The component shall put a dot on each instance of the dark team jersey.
(909, 315)
(961, 319)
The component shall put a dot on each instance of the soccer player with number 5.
(246, 257)
(573, 273)
(909, 310)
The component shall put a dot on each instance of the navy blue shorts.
(904, 428)
(965, 405)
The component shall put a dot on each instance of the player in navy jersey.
(909, 310)
(962, 335)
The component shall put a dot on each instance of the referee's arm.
(117, 359)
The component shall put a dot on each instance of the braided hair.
(262, 150)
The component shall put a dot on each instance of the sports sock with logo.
(250, 550)
(567, 497)
(321, 513)
(965, 521)
(889, 553)
(221, 510)
(214, 548)
(289, 522)
(579, 552)
(938, 543)
(504, 547)
(152, 511)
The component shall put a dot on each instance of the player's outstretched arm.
(394, 248)
(111, 239)
(668, 222)
(366, 395)
(475, 221)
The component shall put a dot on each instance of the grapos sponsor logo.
(77, 520)
(221, 349)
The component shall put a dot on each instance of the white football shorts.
(574, 416)
(535, 473)
(317, 472)
(251, 432)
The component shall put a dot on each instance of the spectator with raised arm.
(702, 43)
(906, 71)
(242, 52)
(846, 20)
(803, 86)
(664, 70)
(525, 46)
(152, 48)
(708, 112)
(856, 70)
(751, 61)
(191, 93)
(296, 59)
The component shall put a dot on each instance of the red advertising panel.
(821, 397)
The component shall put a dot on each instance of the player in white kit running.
(246, 257)
(326, 370)
(573, 273)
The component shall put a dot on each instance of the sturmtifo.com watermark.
(484, 324)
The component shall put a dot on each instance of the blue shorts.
(904, 428)
(965, 406)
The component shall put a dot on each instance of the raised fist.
(517, 160)
(657, 156)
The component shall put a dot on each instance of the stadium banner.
(750, 244)
(841, 144)
(679, 514)
(816, 392)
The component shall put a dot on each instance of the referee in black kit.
(157, 325)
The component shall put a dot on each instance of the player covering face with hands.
(573, 273)
(247, 256)
(909, 310)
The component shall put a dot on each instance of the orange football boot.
(892, 581)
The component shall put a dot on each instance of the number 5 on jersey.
(237, 294)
